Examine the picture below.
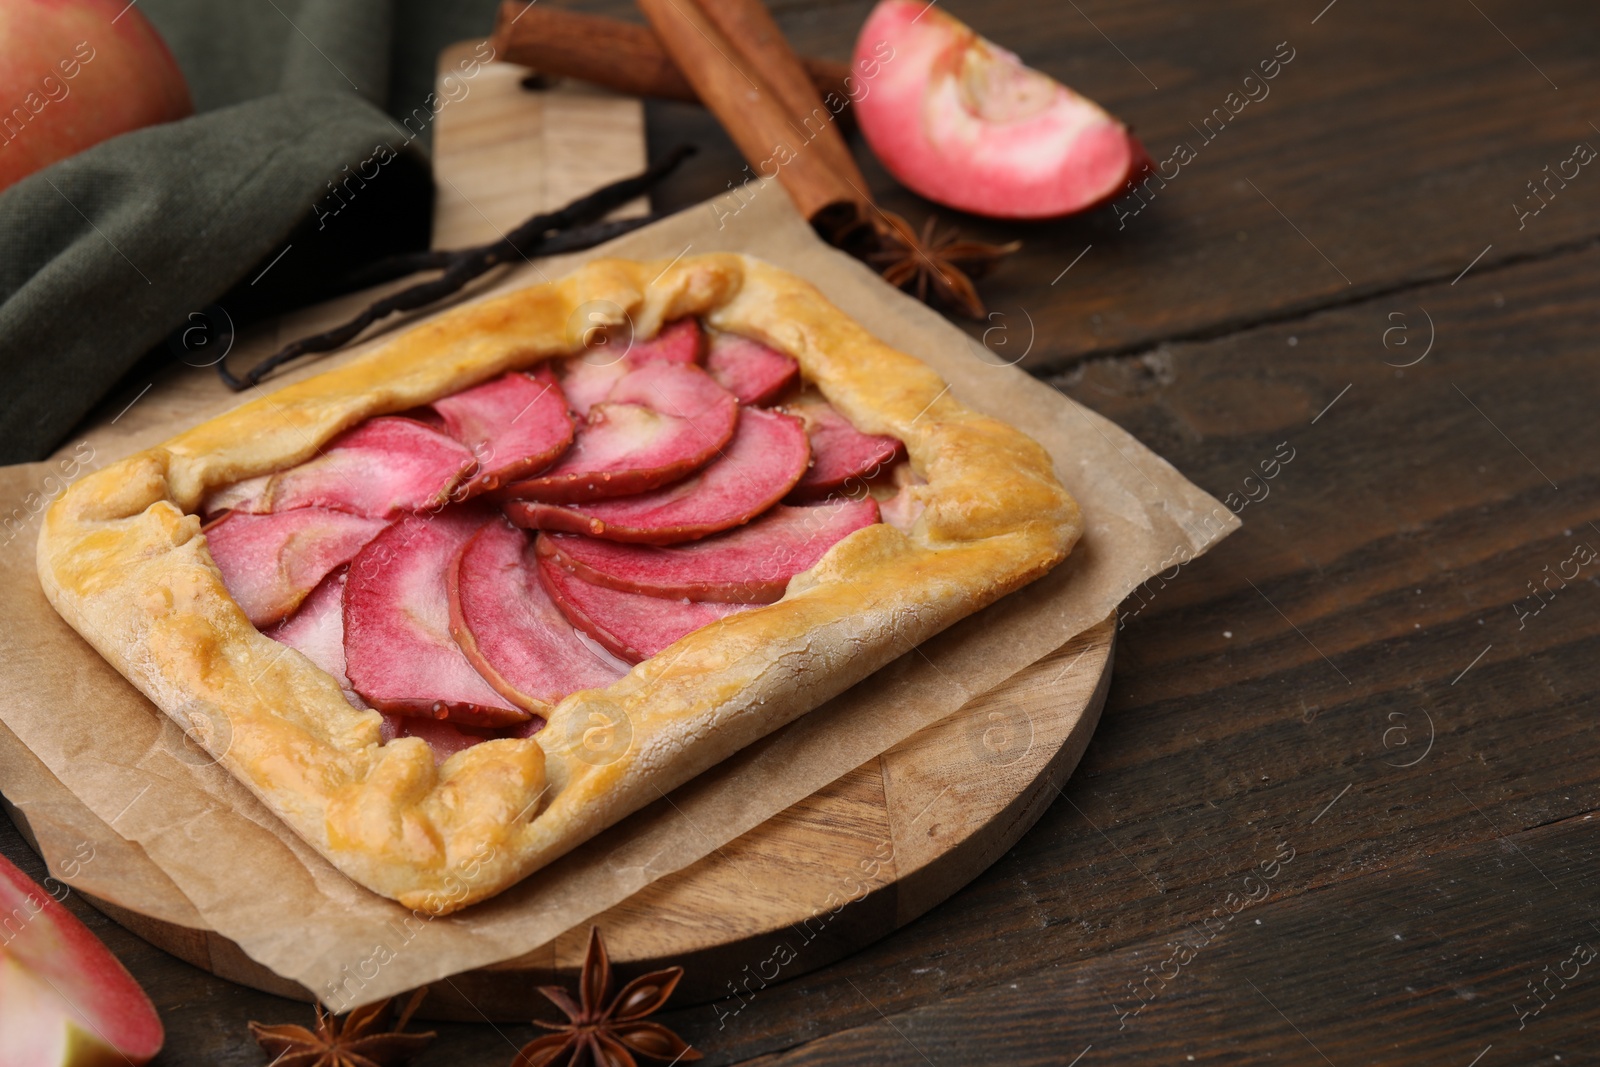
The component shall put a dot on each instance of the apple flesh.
(658, 423)
(65, 1000)
(382, 469)
(399, 653)
(75, 74)
(749, 369)
(632, 626)
(517, 425)
(766, 457)
(591, 376)
(508, 627)
(316, 630)
(842, 457)
(270, 563)
(961, 121)
(749, 565)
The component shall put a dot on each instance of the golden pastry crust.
(122, 559)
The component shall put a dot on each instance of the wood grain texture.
(493, 143)
(1396, 140)
(1274, 692)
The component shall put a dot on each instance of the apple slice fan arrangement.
(464, 566)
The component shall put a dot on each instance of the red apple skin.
(70, 77)
(65, 1000)
(962, 122)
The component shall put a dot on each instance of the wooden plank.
(952, 786)
(1394, 146)
(1441, 974)
(1403, 519)
(494, 144)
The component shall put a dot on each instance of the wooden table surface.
(1340, 806)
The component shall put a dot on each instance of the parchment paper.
(255, 883)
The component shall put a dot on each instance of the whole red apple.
(65, 1001)
(76, 72)
(963, 122)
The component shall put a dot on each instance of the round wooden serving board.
(847, 865)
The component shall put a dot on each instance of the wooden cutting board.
(847, 865)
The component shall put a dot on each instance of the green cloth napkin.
(104, 256)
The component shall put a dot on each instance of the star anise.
(359, 1039)
(934, 265)
(602, 1032)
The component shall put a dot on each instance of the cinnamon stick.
(761, 43)
(738, 93)
(619, 55)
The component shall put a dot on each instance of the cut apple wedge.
(750, 565)
(764, 460)
(505, 622)
(749, 369)
(516, 425)
(658, 423)
(317, 629)
(963, 122)
(382, 469)
(399, 654)
(589, 377)
(630, 625)
(840, 453)
(270, 563)
(65, 1000)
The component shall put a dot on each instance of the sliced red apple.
(630, 625)
(840, 453)
(588, 378)
(680, 389)
(447, 738)
(516, 424)
(962, 121)
(677, 342)
(398, 650)
(749, 369)
(764, 460)
(270, 562)
(750, 565)
(317, 629)
(659, 423)
(381, 469)
(510, 630)
(64, 998)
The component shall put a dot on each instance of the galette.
(456, 606)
